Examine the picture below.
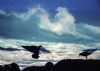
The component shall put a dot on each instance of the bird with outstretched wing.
(35, 50)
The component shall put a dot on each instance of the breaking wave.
(36, 24)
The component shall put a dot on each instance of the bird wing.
(90, 50)
(36, 49)
(45, 50)
(9, 49)
(32, 48)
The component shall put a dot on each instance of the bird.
(33, 49)
(87, 52)
(84, 54)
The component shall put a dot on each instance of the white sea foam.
(58, 51)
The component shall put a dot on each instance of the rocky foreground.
(63, 65)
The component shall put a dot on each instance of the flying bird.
(35, 50)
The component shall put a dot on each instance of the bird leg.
(86, 57)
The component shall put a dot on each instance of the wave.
(58, 51)
(36, 24)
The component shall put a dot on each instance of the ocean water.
(58, 51)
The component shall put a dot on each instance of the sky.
(51, 20)
(84, 10)
(77, 5)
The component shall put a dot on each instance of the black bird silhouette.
(87, 52)
(84, 54)
(33, 49)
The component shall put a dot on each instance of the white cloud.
(27, 15)
(81, 35)
(94, 29)
(2, 12)
(64, 22)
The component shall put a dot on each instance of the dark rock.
(68, 65)
(47, 67)
(34, 68)
(63, 65)
(11, 67)
(77, 65)
(1, 68)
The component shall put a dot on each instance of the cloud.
(2, 12)
(28, 14)
(64, 22)
(93, 29)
